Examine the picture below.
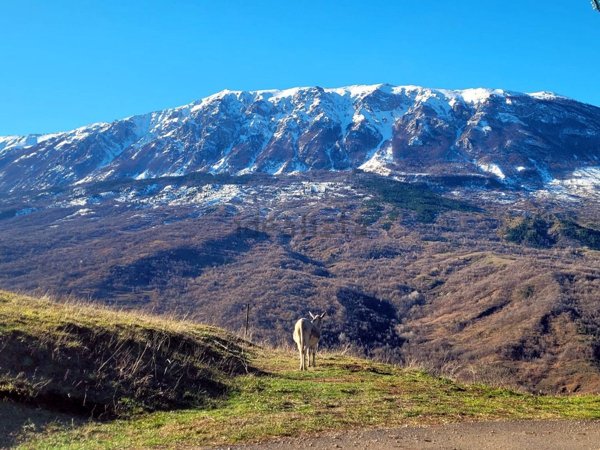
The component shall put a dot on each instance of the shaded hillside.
(155, 269)
(94, 362)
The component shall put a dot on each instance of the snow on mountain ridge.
(545, 95)
(382, 128)
(470, 95)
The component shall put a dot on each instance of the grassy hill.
(173, 383)
(108, 364)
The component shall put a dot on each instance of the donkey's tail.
(302, 351)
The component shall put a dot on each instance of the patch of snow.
(479, 95)
(81, 201)
(415, 141)
(247, 170)
(26, 156)
(280, 170)
(583, 182)
(276, 94)
(80, 212)
(274, 168)
(493, 169)
(298, 167)
(483, 125)
(47, 137)
(378, 161)
(356, 91)
(545, 95)
(142, 176)
(219, 165)
(95, 177)
(190, 195)
(16, 142)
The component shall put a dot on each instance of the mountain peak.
(546, 95)
(393, 130)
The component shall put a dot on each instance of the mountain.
(459, 230)
(521, 140)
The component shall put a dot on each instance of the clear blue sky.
(66, 63)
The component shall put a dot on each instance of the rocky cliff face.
(521, 140)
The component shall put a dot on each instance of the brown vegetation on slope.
(398, 278)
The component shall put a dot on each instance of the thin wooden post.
(247, 320)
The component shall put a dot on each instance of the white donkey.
(306, 336)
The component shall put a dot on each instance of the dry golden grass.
(103, 363)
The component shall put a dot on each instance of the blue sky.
(65, 63)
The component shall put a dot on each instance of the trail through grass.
(342, 393)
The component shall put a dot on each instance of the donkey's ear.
(323, 315)
(312, 316)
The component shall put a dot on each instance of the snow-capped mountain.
(529, 140)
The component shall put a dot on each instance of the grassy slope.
(109, 364)
(343, 392)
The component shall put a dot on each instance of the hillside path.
(544, 435)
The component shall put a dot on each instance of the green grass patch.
(342, 393)
(68, 345)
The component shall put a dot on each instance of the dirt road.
(482, 435)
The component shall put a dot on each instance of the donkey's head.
(316, 319)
